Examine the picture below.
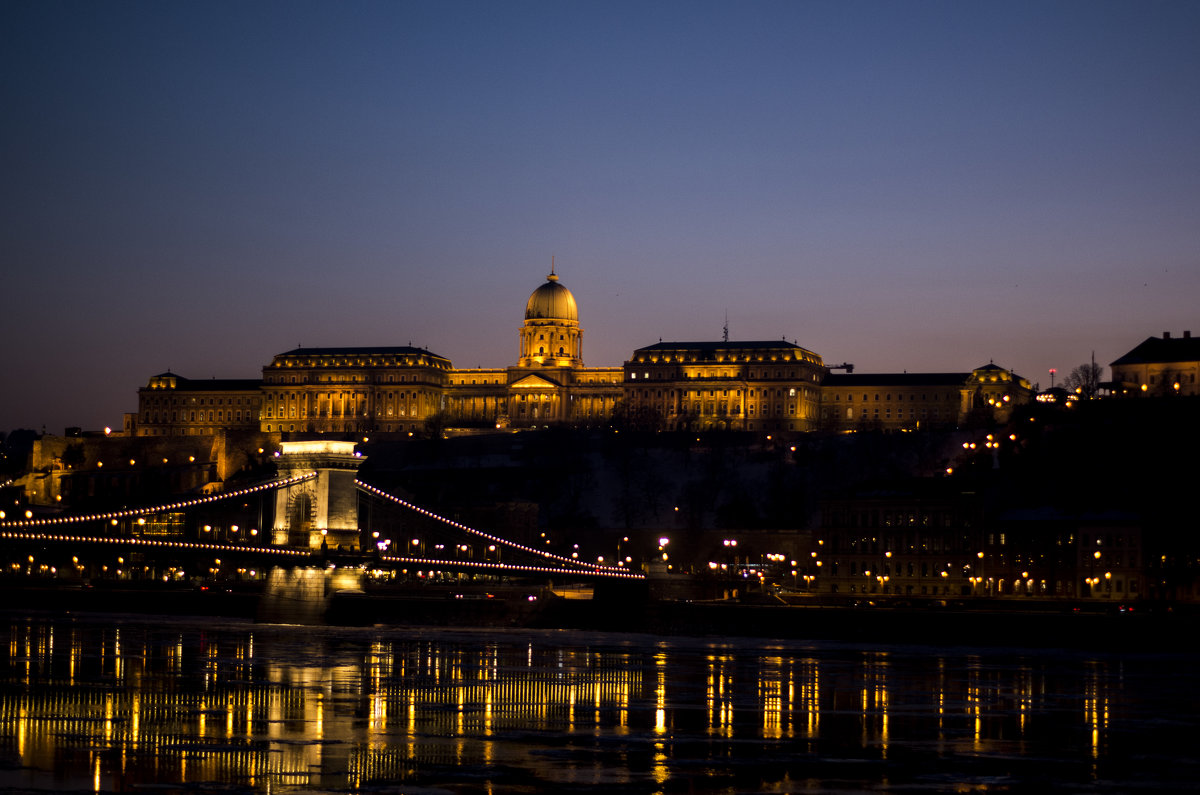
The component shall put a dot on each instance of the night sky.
(921, 186)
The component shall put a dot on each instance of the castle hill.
(711, 474)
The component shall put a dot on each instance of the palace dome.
(552, 301)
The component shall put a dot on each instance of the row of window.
(926, 414)
(667, 375)
(908, 545)
(219, 415)
(899, 569)
(351, 379)
(178, 400)
(890, 518)
(997, 586)
(323, 396)
(419, 361)
(1135, 377)
(899, 397)
(690, 358)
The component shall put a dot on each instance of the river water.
(125, 703)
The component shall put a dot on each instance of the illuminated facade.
(727, 385)
(1159, 366)
(352, 390)
(171, 405)
(908, 401)
(748, 386)
(549, 383)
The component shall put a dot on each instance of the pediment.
(533, 381)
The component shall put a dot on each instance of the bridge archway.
(323, 512)
(301, 519)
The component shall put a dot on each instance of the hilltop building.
(734, 385)
(171, 405)
(1160, 366)
(920, 400)
(749, 386)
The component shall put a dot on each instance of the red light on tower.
(1052, 372)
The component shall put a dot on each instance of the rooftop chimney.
(1187, 335)
(1166, 335)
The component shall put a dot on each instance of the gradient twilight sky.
(921, 186)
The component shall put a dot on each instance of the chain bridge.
(331, 531)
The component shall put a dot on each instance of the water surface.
(104, 704)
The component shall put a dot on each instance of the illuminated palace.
(753, 386)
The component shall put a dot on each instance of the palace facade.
(752, 386)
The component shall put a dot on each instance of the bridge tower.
(323, 510)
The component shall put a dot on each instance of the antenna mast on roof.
(726, 332)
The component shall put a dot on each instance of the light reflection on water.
(105, 705)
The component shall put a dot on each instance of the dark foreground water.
(101, 704)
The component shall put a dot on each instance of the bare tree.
(1084, 380)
